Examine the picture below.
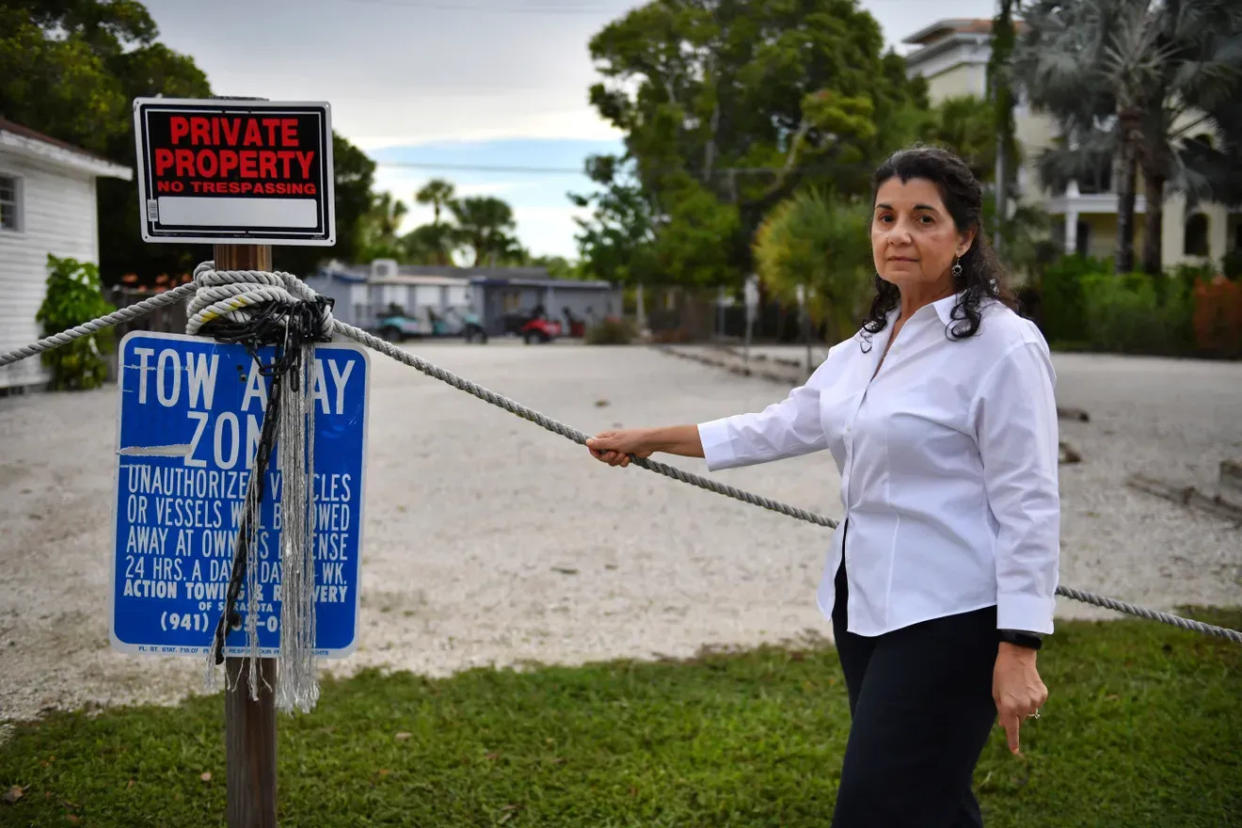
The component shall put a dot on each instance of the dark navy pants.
(921, 707)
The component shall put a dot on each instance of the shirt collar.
(944, 307)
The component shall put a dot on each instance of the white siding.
(425, 295)
(58, 216)
(395, 295)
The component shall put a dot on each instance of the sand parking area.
(491, 541)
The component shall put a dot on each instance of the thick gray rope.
(579, 437)
(205, 274)
(574, 434)
(87, 328)
(1150, 614)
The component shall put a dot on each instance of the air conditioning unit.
(383, 268)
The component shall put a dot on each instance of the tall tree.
(485, 225)
(70, 69)
(617, 241)
(378, 233)
(965, 124)
(1195, 49)
(353, 175)
(1133, 82)
(1063, 64)
(435, 241)
(1000, 94)
(728, 106)
(438, 193)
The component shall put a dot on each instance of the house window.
(1099, 179)
(10, 203)
(1196, 241)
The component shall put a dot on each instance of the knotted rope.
(257, 309)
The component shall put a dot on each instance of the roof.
(559, 284)
(25, 140)
(950, 26)
(447, 275)
(402, 279)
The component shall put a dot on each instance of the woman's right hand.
(615, 447)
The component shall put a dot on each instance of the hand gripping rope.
(227, 292)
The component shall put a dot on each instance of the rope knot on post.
(258, 309)
(240, 297)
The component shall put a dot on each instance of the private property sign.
(234, 171)
(191, 413)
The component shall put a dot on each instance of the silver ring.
(1034, 715)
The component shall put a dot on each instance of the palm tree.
(438, 193)
(379, 227)
(1130, 81)
(1195, 47)
(485, 224)
(965, 125)
(821, 243)
(1065, 67)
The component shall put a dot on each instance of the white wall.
(58, 216)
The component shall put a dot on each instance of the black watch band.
(1021, 638)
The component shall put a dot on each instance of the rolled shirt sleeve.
(1016, 427)
(784, 429)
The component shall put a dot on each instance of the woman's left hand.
(1016, 689)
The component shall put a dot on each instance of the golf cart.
(396, 326)
(537, 327)
(457, 322)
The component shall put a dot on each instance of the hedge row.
(1082, 305)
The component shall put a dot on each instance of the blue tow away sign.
(191, 411)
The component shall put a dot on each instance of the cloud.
(571, 124)
(549, 231)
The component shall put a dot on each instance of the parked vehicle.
(457, 322)
(533, 326)
(396, 326)
(540, 329)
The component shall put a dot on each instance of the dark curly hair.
(982, 275)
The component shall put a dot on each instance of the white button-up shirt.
(948, 462)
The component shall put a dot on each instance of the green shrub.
(819, 242)
(611, 331)
(1062, 305)
(1136, 313)
(74, 297)
(1231, 264)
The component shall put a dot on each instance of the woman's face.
(913, 238)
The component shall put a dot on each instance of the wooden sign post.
(240, 174)
(249, 724)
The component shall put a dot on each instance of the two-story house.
(953, 54)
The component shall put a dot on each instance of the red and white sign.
(245, 171)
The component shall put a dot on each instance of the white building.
(953, 56)
(47, 205)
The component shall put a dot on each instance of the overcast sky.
(455, 83)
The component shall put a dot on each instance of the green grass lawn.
(1143, 727)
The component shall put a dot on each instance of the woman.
(940, 415)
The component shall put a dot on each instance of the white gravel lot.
(491, 541)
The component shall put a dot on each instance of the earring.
(957, 269)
